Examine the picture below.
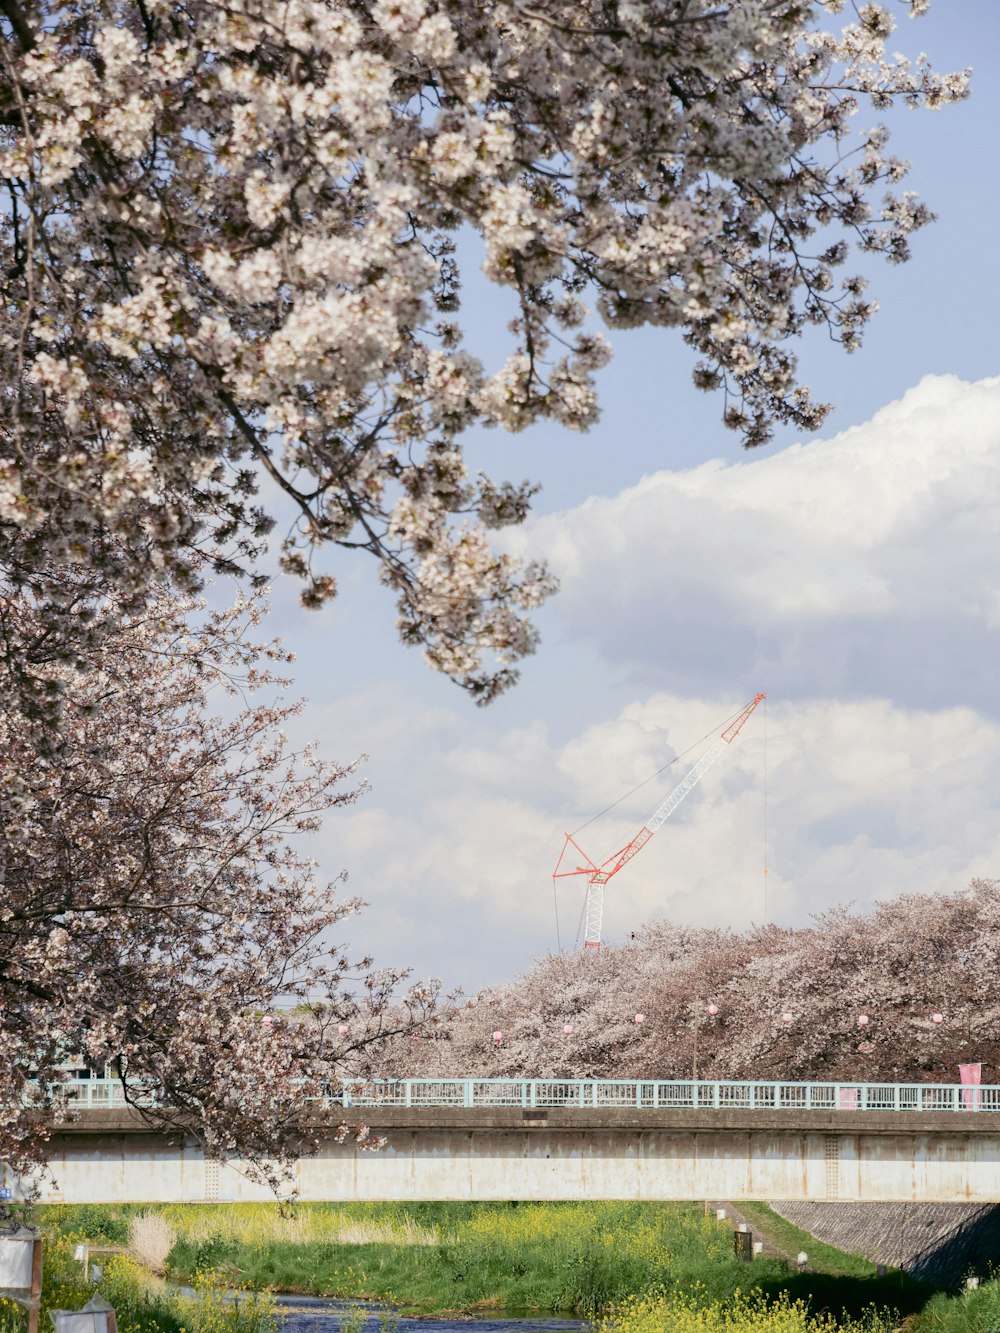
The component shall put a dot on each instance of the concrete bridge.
(568, 1139)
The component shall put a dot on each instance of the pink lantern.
(568, 1028)
(713, 1009)
(786, 1018)
(937, 1018)
(498, 1036)
(640, 1019)
(342, 1029)
(863, 1020)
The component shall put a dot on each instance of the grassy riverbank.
(635, 1268)
(568, 1257)
(580, 1258)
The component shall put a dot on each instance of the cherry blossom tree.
(158, 916)
(788, 1002)
(229, 254)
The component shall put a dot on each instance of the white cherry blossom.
(228, 242)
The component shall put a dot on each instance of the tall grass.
(150, 1240)
(976, 1311)
(255, 1223)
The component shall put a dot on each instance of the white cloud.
(829, 567)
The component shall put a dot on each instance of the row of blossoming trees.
(787, 1001)
(228, 262)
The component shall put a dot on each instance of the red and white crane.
(599, 874)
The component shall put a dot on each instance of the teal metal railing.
(679, 1094)
(638, 1094)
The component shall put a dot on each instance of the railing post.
(715, 1095)
(407, 1092)
(533, 1092)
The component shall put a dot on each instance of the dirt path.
(734, 1219)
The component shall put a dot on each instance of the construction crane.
(598, 874)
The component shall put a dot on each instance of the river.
(315, 1314)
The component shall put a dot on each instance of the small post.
(758, 1248)
(743, 1243)
(35, 1300)
(801, 1259)
(720, 1214)
(971, 1283)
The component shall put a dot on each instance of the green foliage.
(96, 1221)
(975, 1311)
(140, 1307)
(691, 1311)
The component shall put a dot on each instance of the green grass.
(786, 1236)
(583, 1258)
(976, 1311)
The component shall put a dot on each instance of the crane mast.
(597, 875)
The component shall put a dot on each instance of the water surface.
(317, 1314)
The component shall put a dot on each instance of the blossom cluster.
(229, 248)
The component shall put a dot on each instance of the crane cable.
(607, 808)
(645, 781)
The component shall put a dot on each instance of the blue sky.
(854, 576)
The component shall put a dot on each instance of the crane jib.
(598, 876)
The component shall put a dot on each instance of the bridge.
(565, 1139)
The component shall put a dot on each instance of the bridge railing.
(679, 1094)
(106, 1094)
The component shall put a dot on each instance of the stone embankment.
(940, 1242)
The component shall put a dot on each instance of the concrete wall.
(565, 1155)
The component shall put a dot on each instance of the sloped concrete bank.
(939, 1242)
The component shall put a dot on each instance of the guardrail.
(654, 1093)
(106, 1094)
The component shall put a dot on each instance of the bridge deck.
(385, 1119)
